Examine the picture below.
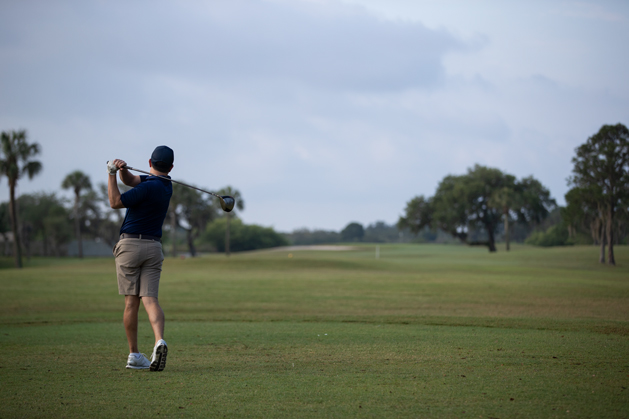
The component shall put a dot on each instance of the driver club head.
(227, 203)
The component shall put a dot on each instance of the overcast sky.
(319, 112)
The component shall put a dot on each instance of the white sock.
(136, 354)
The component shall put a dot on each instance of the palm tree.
(78, 181)
(14, 163)
(240, 204)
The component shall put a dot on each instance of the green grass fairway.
(425, 331)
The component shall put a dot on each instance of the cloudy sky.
(320, 112)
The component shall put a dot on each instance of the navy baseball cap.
(162, 158)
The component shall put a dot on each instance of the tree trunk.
(193, 250)
(6, 244)
(17, 249)
(77, 226)
(45, 242)
(227, 235)
(173, 232)
(610, 237)
(601, 257)
(507, 229)
(56, 245)
(26, 240)
(492, 241)
(595, 230)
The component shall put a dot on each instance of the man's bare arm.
(126, 176)
(114, 193)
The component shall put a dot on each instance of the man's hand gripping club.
(114, 165)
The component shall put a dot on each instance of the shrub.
(556, 235)
(242, 236)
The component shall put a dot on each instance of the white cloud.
(319, 112)
(589, 10)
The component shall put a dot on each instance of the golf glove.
(111, 168)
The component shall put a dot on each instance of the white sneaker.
(158, 359)
(138, 362)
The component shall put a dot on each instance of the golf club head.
(227, 203)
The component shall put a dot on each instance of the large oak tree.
(477, 201)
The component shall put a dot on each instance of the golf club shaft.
(176, 181)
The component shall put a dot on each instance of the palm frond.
(78, 181)
(32, 168)
(16, 152)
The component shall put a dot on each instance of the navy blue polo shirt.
(147, 205)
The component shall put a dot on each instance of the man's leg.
(156, 316)
(132, 305)
(149, 289)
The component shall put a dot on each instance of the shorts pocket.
(127, 254)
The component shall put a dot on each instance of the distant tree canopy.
(353, 232)
(376, 232)
(601, 186)
(477, 202)
(43, 217)
(381, 232)
(303, 236)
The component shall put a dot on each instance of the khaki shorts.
(138, 265)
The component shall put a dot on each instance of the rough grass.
(425, 331)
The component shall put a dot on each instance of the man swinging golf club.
(139, 254)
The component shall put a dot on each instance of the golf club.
(227, 202)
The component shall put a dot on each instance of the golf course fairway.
(430, 331)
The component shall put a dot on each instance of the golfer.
(139, 254)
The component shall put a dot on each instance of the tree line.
(353, 232)
(44, 223)
(472, 206)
